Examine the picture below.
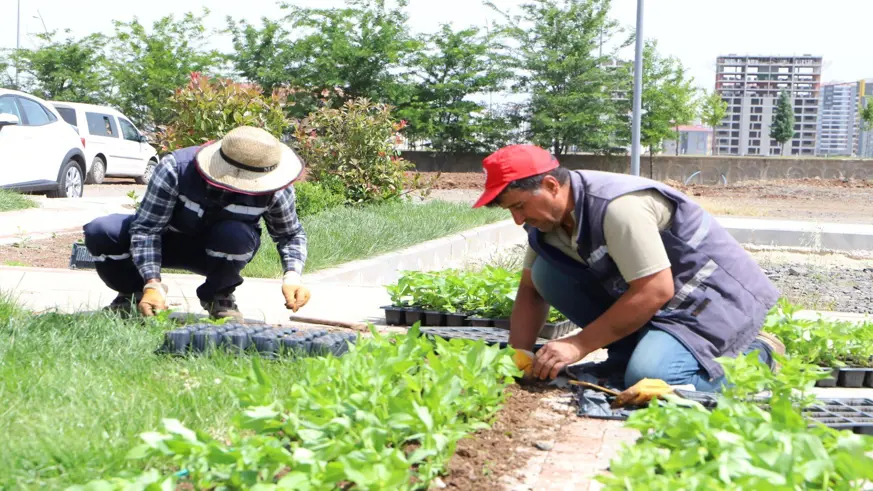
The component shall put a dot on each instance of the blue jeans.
(647, 353)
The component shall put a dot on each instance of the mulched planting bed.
(482, 459)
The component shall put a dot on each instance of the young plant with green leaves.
(386, 415)
(742, 444)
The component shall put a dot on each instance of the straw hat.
(249, 160)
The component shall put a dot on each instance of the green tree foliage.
(667, 99)
(712, 112)
(207, 108)
(147, 66)
(556, 49)
(782, 127)
(66, 70)
(452, 67)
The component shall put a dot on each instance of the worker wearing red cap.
(643, 270)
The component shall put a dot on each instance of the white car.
(114, 147)
(39, 151)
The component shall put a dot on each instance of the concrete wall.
(677, 168)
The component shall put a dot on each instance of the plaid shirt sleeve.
(152, 218)
(286, 230)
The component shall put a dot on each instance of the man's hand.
(154, 299)
(642, 392)
(524, 361)
(296, 295)
(556, 355)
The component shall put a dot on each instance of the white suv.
(113, 145)
(39, 152)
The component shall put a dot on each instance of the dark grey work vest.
(721, 294)
(200, 205)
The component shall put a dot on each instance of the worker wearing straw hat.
(201, 212)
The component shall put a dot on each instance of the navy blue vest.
(721, 294)
(200, 205)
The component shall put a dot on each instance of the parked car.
(114, 147)
(39, 151)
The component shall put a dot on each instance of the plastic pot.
(501, 323)
(177, 341)
(852, 377)
(554, 330)
(832, 381)
(395, 316)
(414, 315)
(480, 322)
(456, 320)
(434, 318)
(206, 340)
(868, 379)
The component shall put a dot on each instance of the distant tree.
(668, 98)
(713, 110)
(782, 127)
(70, 70)
(866, 113)
(148, 65)
(557, 53)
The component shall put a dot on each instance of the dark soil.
(45, 253)
(482, 459)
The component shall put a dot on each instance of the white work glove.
(296, 295)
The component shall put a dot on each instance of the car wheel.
(71, 184)
(147, 173)
(97, 173)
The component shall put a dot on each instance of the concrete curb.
(432, 255)
(793, 233)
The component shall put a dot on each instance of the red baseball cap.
(511, 163)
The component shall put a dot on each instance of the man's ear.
(550, 185)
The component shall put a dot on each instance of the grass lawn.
(11, 201)
(78, 390)
(341, 235)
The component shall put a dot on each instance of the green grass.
(340, 235)
(11, 201)
(77, 390)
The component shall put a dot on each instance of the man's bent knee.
(107, 234)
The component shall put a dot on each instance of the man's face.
(540, 208)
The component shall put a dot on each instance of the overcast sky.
(695, 31)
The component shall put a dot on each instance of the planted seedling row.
(848, 377)
(264, 340)
(407, 316)
(491, 335)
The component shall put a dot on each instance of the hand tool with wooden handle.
(355, 326)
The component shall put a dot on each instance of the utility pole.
(17, 41)
(638, 89)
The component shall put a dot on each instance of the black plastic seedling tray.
(848, 377)
(264, 340)
(491, 335)
(407, 316)
(843, 414)
(80, 258)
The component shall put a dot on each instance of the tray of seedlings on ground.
(846, 348)
(786, 441)
(459, 298)
(263, 339)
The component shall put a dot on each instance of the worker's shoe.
(775, 345)
(223, 306)
(124, 304)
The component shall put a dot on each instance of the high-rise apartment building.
(751, 86)
(837, 119)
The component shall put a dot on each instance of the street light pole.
(638, 88)
(17, 41)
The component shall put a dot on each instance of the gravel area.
(825, 288)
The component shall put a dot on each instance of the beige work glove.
(154, 299)
(524, 361)
(296, 295)
(642, 392)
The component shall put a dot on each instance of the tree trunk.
(651, 164)
(556, 148)
(714, 142)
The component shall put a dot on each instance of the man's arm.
(529, 313)
(152, 217)
(287, 232)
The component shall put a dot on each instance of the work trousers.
(219, 254)
(647, 353)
